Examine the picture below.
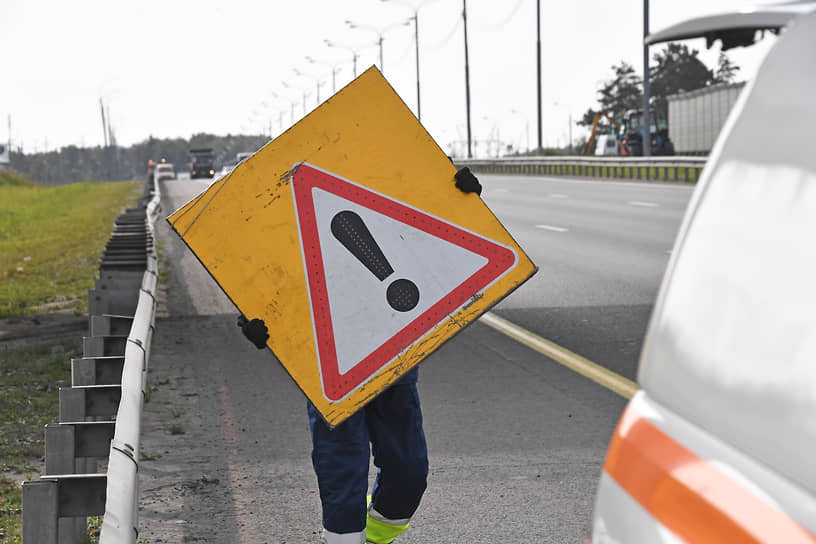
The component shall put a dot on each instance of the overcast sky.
(174, 68)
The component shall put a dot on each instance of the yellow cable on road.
(598, 374)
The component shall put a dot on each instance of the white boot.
(329, 537)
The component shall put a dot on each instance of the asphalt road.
(601, 248)
(516, 441)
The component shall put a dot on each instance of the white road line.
(644, 204)
(558, 195)
(552, 228)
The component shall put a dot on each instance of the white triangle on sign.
(361, 317)
(380, 274)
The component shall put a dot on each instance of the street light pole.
(354, 54)
(317, 83)
(538, 65)
(380, 32)
(467, 79)
(647, 125)
(331, 66)
(379, 39)
(304, 98)
(382, 67)
(416, 42)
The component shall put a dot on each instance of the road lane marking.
(644, 204)
(614, 382)
(552, 228)
(558, 195)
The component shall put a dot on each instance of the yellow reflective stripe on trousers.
(380, 532)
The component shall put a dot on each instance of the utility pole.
(538, 64)
(467, 80)
(111, 139)
(382, 68)
(104, 124)
(647, 125)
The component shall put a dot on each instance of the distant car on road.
(202, 162)
(229, 167)
(240, 157)
(164, 171)
(719, 443)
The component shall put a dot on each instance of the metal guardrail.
(120, 521)
(683, 169)
(100, 414)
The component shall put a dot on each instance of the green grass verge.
(11, 508)
(30, 378)
(51, 240)
(10, 177)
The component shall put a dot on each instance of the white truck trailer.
(696, 117)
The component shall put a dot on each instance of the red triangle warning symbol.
(380, 274)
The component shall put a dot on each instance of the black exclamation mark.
(351, 231)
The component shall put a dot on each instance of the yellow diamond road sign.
(347, 236)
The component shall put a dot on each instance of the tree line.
(674, 69)
(71, 163)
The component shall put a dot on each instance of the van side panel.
(732, 342)
(694, 486)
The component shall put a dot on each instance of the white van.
(606, 144)
(719, 445)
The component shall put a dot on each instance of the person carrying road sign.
(392, 425)
(348, 242)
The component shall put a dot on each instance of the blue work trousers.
(392, 424)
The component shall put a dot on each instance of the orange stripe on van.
(689, 496)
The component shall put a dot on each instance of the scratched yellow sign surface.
(347, 236)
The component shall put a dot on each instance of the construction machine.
(598, 116)
(632, 142)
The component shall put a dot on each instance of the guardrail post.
(102, 346)
(105, 370)
(59, 449)
(111, 325)
(67, 442)
(40, 511)
(78, 403)
(72, 408)
(60, 458)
